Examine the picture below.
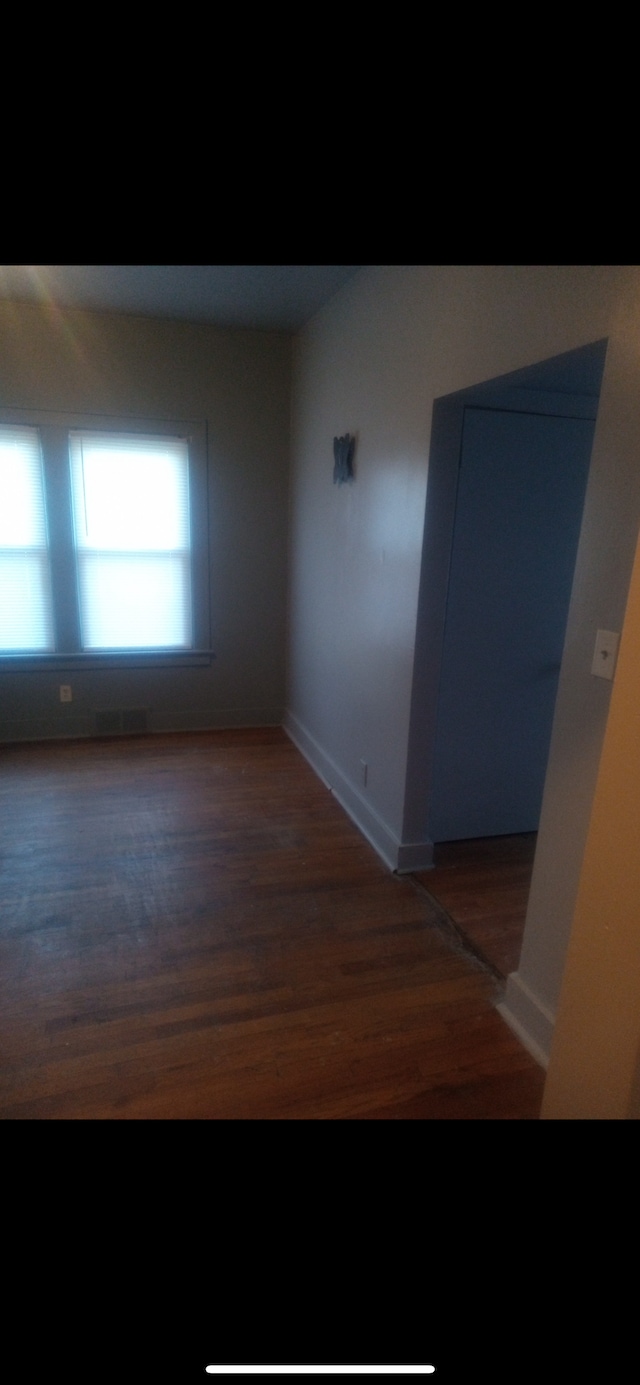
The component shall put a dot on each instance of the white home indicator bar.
(320, 1370)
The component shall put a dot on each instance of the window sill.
(121, 658)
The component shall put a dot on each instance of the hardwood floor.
(484, 887)
(192, 928)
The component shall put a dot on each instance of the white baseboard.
(529, 1018)
(376, 831)
(415, 856)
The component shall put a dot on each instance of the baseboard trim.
(82, 726)
(415, 856)
(528, 1017)
(376, 831)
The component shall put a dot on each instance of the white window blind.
(130, 497)
(26, 608)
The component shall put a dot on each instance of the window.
(26, 610)
(103, 539)
(132, 540)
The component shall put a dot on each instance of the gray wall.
(373, 363)
(238, 383)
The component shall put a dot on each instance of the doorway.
(508, 471)
(521, 486)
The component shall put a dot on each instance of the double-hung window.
(102, 541)
(132, 540)
(26, 608)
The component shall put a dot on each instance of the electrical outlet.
(604, 657)
(65, 692)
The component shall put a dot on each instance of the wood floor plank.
(191, 929)
(483, 884)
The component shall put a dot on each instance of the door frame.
(568, 386)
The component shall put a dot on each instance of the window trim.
(54, 427)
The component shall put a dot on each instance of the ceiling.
(273, 297)
(280, 297)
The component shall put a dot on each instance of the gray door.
(521, 490)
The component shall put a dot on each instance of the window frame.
(54, 429)
(27, 543)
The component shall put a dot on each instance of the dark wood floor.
(484, 887)
(192, 928)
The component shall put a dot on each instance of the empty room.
(262, 665)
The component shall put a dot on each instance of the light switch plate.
(604, 656)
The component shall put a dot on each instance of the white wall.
(594, 1070)
(372, 364)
